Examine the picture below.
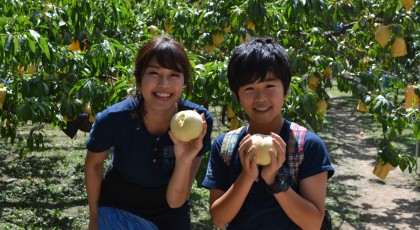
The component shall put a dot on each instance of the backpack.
(295, 148)
(295, 154)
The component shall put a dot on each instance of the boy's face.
(263, 101)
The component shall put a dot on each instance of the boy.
(244, 195)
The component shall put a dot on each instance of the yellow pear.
(381, 170)
(87, 109)
(251, 25)
(327, 72)
(209, 48)
(313, 82)
(230, 113)
(407, 4)
(218, 38)
(153, 30)
(263, 143)
(382, 35)
(247, 38)
(234, 123)
(3, 93)
(411, 98)
(227, 29)
(322, 108)
(361, 107)
(399, 48)
(186, 125)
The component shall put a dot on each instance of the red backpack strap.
(228, 143)
(295, 148)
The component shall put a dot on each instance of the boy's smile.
(263, 100)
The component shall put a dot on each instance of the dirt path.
(362, 200)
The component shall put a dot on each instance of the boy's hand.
(247, 155)
(269, 172)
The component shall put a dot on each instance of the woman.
(151, 172)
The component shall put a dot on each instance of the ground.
(46, 189)
(359, 198)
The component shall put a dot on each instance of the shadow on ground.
(346, 136)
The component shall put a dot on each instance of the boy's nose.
(261, 96)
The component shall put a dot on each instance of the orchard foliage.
(62, 56)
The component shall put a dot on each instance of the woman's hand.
(269, 172)
(247, 155)
(187, 151)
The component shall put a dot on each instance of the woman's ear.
(236, 98)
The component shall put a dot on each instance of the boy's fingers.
(245, 139)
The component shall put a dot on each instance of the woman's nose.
(163, 80)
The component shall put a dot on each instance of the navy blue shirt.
(260, 209)
(138, 156)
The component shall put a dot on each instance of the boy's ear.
(287, 93)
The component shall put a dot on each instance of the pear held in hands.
(186, 125)
(263, 143)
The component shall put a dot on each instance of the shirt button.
(155, 149)
(154, 160)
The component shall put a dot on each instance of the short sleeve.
(316, 159)
(100, 137)
(207, 137)
(217, 174)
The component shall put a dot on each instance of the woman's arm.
(186, 167)
(179, 187)
(93, 179)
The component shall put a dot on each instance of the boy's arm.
(225, 205)
(307, 209)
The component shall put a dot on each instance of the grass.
(45, 190)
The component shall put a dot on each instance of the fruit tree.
(61, 59)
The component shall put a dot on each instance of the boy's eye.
(175, 75)
(153, 73)
(270, 86)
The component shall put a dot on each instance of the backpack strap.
(228, 143)
(295, 148)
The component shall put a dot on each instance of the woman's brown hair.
(169, 54)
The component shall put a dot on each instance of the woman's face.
(161, 88)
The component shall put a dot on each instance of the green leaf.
(44, 47)
(35, 35)
(416, 130)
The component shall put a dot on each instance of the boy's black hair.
(251, 61)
